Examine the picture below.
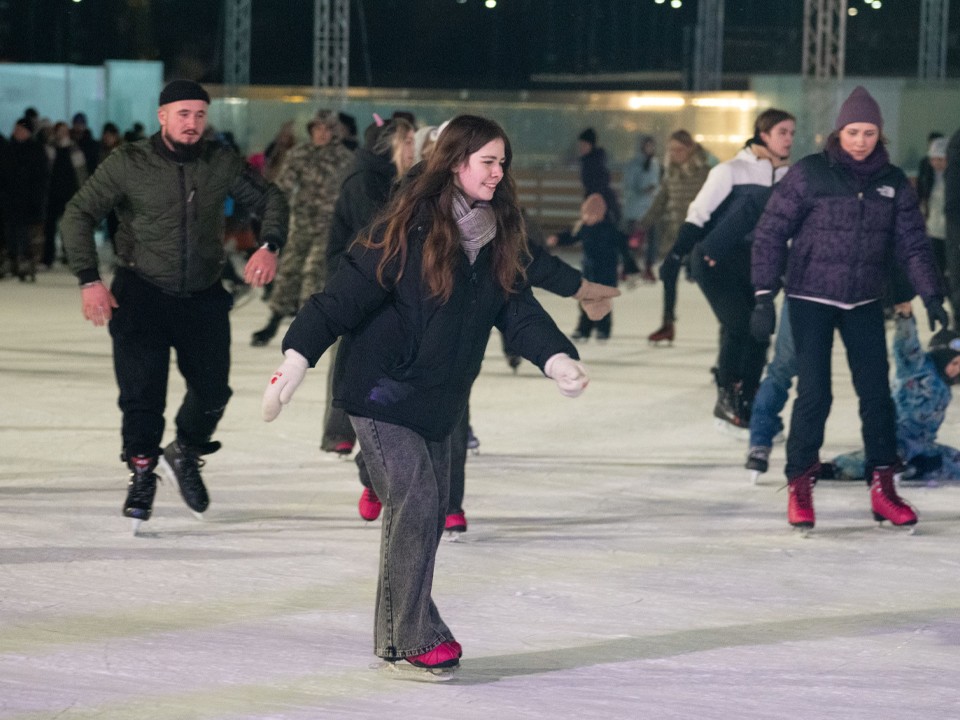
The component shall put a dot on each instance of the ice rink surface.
(618, 563)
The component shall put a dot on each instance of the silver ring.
(258, 271)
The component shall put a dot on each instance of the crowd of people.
(396, 252)
(42, 164)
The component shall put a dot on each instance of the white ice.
(618, 563)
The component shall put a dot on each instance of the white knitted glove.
(570, 376)
(284, 383)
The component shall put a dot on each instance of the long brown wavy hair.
(432, 191)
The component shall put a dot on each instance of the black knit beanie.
(178, 90)
(588, 136)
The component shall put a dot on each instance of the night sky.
(447, 44)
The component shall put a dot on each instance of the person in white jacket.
(716, 234)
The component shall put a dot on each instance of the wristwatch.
(271, 246)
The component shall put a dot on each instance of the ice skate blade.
(164, 467)
(135, 525)
(402, 670)
(452, 535)
(739, 433)
(755, 477)
(904, 529)
(802, 531)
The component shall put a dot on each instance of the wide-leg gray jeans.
(411, 476)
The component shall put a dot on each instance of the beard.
(187, 151)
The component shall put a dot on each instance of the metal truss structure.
(708, 46)
(932, 62)
(824, 38)
(236, 56)
(331, 44)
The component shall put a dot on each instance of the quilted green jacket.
(171, 213)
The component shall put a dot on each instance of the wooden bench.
(552, 197)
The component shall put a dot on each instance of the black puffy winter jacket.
(409, 360)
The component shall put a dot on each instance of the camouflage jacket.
(310, 178)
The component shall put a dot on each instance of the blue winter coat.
(921, 397)
(845, 234)
(919, 393)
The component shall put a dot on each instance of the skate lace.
(884, 487)
(143, 486)
(802, 490)
(190, 465)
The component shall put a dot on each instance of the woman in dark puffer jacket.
(415, 298)
(849, 215)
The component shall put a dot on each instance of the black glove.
(936, 313)
(763, 320)
(670, 268)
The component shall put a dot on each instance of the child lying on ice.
(921, 394)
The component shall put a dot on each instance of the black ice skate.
(182, 463)
(728, 413)
(758, 461)
(141, 489)
(473, 443)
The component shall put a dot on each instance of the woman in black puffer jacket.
(849, 215)
(415, 299)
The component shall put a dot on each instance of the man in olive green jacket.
(168, 192)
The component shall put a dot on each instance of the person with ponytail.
(414, 300)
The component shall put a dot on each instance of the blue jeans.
(411, 476)
(765, 422)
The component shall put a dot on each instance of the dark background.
(451, 44)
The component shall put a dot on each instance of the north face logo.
(886, 191)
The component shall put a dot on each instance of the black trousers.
(728, 289)
(22, 246)
(586, 326)
(861, 330)
(952, 263)
(458, 462)
(144, 328)
(336, 422)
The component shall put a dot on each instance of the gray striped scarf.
(478, 224)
